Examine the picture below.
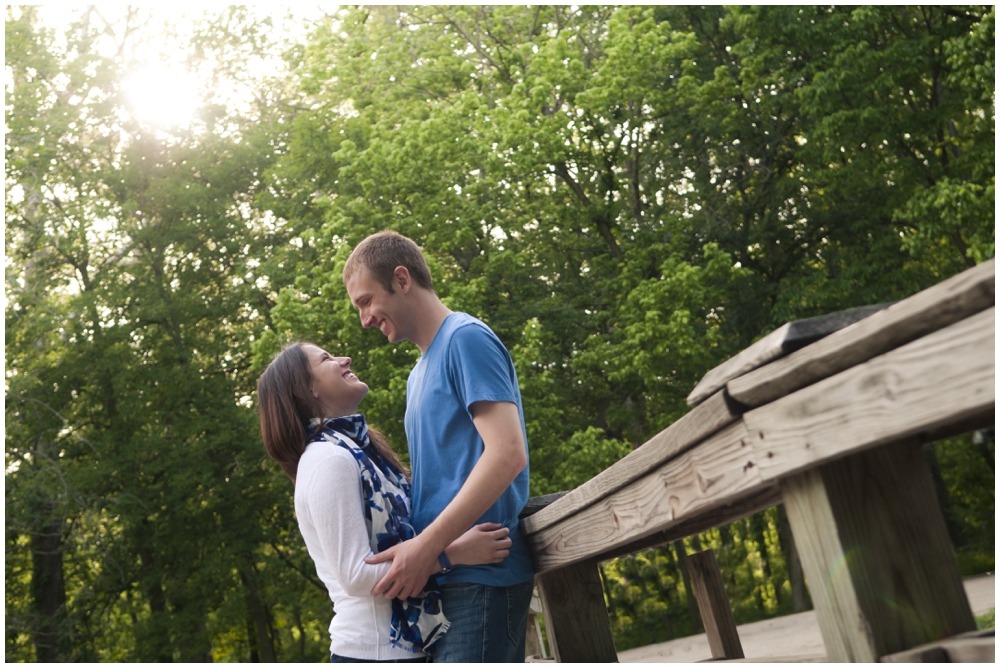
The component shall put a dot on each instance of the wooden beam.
(768, 497)
(701, 422)
(576, 616)
(944, 378)
(846, 634)
(786, 339)
(716, 614)
(876, 553)
(719, 470)
(933, 309)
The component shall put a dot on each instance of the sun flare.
(162, 96)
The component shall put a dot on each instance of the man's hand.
(482, 544)
(415, 560)
(412, 564)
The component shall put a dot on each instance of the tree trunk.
(195, 645)
(755, 526)
(159, 632)
(667, 624)
(48, 588)
(985, 440)
(265, 644)
(252, 639)
(297, 615)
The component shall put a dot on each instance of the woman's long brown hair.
(286, 404)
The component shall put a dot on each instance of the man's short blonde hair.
(382, 252)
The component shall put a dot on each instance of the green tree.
(136, 481)
(627, 195)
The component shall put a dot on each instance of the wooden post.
(576, 617)
(716, 615)
(876, 553)
(533, 645)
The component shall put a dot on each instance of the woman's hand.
(482, 544)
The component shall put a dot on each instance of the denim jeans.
(487, 623)
(336, 658)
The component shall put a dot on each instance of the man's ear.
(401, 277)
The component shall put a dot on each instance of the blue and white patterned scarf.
(419, 620)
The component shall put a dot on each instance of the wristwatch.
(445, 563)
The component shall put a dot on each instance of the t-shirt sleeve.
(335, 509)
(480, 367)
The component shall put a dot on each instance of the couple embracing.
(431, 568)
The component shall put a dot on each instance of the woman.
(352, 500)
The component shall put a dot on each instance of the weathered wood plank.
(944, 378)
(716, 614)
(703, 421)
(786, 339)
(762, 499)
(876, 553)
(576, 617)
(536, 503)
(979, 647)
(717, 471)
(760, 353)
(806, 332)
(935, 308)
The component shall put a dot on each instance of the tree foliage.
(627, 195)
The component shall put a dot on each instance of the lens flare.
(162, 96)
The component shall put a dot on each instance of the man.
(468, 449)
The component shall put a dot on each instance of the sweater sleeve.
(333, 502)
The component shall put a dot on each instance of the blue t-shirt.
(465, 363)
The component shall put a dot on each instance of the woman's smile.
(334, 383)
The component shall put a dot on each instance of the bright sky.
(160, 89)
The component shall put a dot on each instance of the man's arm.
(414, 561)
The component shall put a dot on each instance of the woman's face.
(333, 383)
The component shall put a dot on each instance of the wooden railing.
(827, 417)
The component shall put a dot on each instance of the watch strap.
(445, 562)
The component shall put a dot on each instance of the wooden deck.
(833, 429)
(794, 638)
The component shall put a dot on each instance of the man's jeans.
(336, 658)
(487, 623)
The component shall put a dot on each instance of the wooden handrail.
(907, 373)
(803, 429)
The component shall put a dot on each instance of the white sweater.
(329, 509)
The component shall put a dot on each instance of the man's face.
(377, 306)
